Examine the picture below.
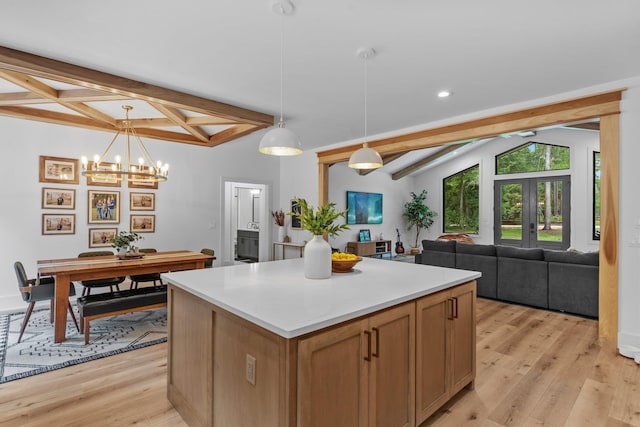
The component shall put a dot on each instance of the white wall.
(582, 145)
(629, 226)
(188, 206)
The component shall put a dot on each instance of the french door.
(533, 212)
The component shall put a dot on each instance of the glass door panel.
(532, 212)
(511, 211)
(549, 228)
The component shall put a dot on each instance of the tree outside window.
(533, 157)
(462, 201)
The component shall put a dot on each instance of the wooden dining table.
(69, 270)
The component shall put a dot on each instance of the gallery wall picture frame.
(295, 221)
(103, 207)
(142, 224)
(365, 235)
(58, 198)
(144, 185)
(109, 180)
(142, 201)
(53, 224)
(60, 170)
(101, 237)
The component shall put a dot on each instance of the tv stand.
(374, 248)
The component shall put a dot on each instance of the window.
(461, 201)
(533, 157)
(596, 195)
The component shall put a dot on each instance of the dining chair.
(41, 289)
(151, 277)
(208, 263)
(99, 283)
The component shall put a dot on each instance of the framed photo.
(58, 224)
(101, 237)
(103, 207)
(365, 235)
(297, 209)
(109, 180)
(58, 198)
(142, 201)
(143, 184)
(143, 224)
(59, 170)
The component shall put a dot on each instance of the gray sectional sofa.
(557, 280)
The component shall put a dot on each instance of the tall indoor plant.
(418, 215)
(317, 252)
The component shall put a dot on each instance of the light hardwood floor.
(534, 367)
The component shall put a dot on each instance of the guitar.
(399, 247)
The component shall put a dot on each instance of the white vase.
(281, 233)
(317, 259)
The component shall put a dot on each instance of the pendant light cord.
(366, 85)
(282, 13)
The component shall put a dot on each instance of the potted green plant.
(320, 221)
(418, 215)
(124, 242)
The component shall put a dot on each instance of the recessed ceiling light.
(444, 94)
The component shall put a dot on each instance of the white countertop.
(276, 296)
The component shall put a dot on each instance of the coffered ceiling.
(47, 90)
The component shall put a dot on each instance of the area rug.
(37, 353)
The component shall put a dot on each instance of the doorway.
(245, 236)
(533, 212)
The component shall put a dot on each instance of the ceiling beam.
(179, 119)
(231, 133)
(424, 161)
(589, 107)
(34, 65)
(69, 95)
(385, 161)
(33, 85)
(88, 123)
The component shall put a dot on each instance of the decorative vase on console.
(281, 233)
(317, 252)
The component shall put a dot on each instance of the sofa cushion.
(486, 264)
(573, 288)
(439, 245)
(487, 250)
(572, 257)
(534, 254)
(523, 281)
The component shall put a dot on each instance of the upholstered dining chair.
(208, 263)
(99, 283)
(34, 290)
(151, 277)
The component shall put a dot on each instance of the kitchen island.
(258, 344)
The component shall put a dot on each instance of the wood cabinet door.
(463, 337)
(333, 378)
(432, 353)
(392, 368)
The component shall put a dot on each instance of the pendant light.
(365, 157)
(281, 141)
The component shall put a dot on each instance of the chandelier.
(123, 169)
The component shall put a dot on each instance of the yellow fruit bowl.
(344, 266)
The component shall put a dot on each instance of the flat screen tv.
(364, 208)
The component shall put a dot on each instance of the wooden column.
(609, 205)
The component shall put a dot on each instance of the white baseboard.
(629, 345)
